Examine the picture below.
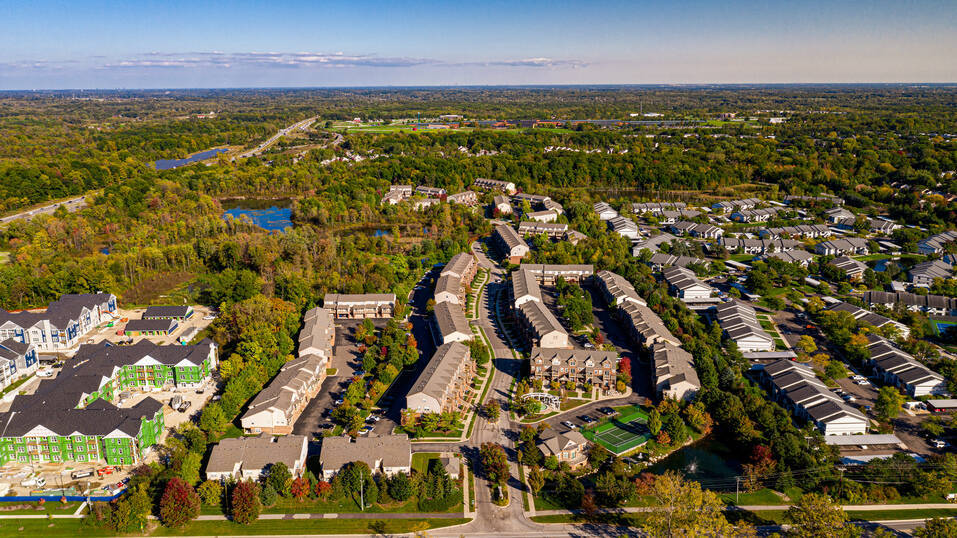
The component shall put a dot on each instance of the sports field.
(622, 433)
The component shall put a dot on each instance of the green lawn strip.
(27, 508)
(50, 527)
(468, 469)
(16, 384)
(761, 497)
(892, 514)
(537, 417)
(308, 526)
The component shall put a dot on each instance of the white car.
(209, 317)
(864, 383)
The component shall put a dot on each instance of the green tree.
(938, 527)
(212, 419)
(400, 487)
(280, 478)
(816, 516)
(189, 468)
(654, 421)
(268, 495)
(684, 509)
(179, 504)
(210, 492)
(889, 403)
(536, 480)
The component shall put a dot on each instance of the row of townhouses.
(739, 322)
(64, 323)
(866, 316)
(360, 306)
(898, 368)
(932, 305)
(795, 386)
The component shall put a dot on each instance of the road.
(73, 204)
(279, 134)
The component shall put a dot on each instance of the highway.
(272, 140)
(73, 204)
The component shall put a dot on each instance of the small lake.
(269, 214)
(169, 164)
(700, 462)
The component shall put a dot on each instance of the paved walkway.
(759, 508)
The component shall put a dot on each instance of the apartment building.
(684, 284)
(360, 306)
(548, 274)
(397, 194)
(624, 227)
(644, 326)
(318, 333)
(675, 376)
(466, 198)
(541, 326)
(275, 409)
(494, 185)
(502, 204)
(524, 288)
(443, 385)
(249, 458)
(64, 323)
(553, 230)
(385, 454)
(846, 246)
(759, 246)
(604, 211)
(511, 243)
(740, 323)
(431, 192)
(795, 386)
(579, 366)
(924, 274)
(808, 231)
(656, 208)
(450, 323)
(569, 447)
(854, 269)
(935, 243)
(800, 257)
(547, 215)
(900, 369)
(866, 316)
(932, 305)
(617, 289)
(660, 260)
(16, 360)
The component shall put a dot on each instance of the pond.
(169, 164)
(702, 462)
(268, 214)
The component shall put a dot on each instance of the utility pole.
(737, 480)
(362, 499)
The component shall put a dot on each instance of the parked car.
(939, 443)
(76, 475)
(326, 426)
(373, 419)
(337, 401)
(607, 410)
(848, 398)
(569, 425)
(108, 470)
(176, 401)
(586, 419)
(209, 317)
(365, 430)
(184, 406)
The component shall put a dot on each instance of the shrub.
(211, 492)
(246, 502)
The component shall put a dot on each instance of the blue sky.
(171, 44)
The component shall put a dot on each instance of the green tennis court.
(622, 433)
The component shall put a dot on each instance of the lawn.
(304, 526)
(420, 461)
(49, 527)
(16, 384)
(28, 508)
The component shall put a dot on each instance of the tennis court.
(622, 433)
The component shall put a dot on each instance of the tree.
(494, 463)
(179, 504)
(211, 492)
(536, 480)
(654, 421)
(212, 419)
(268, 495)
(400, 487)
(246, 505)
(937, 527)
(300, 488)
(130, 513)
(815, 515)
(684, 509)
(492, 411)
(189, 468)
(280, 478)
(807, 344)
(889, 404)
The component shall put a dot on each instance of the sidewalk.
(760, 508)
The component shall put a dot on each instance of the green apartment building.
(72, 418)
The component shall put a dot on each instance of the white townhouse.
(64, 323)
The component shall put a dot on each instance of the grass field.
(622, 433)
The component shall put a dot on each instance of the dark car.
(607, 410)
(586, 419)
